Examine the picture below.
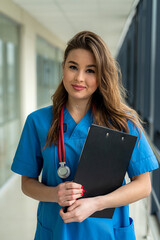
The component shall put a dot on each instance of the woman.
(90, 91)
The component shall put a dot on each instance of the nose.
(80, 76)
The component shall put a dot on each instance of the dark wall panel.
(144, 21)
(135, 60)
(157, 84)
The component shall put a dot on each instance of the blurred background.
(33, 35)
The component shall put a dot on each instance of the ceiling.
(67, 17)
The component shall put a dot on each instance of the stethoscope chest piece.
(63, 171)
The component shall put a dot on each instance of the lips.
(78, 87)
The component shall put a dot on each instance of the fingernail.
(83, 190)
(81, 187)
(82, 194)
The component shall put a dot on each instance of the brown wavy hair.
(110, 108)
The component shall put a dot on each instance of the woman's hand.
(68, 192)
(80, 210)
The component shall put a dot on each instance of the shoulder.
(42, 113)
(41, 118)
(142, 146)
(134, 129)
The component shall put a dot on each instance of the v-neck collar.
(79, 130)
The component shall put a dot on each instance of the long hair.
(110, 108)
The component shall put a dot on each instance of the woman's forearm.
(34, 189)
(65, 194)
(139, 188)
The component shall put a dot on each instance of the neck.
(77, 109)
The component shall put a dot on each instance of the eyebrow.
(91, 65)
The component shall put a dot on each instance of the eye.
(73, 67)
(90, 71)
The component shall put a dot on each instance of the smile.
(78, 87)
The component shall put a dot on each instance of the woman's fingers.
(80, 210)
(74, 192)
(72, 207)
(72, 197)
(67, 203)
(68, 192)
(71, 216)
(70, 186)
(73, 185)
(69, 200)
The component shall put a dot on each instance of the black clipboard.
(103, 163)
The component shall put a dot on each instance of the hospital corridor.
(33, 38)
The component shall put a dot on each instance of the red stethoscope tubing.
(61, 139)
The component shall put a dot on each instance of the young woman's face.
(80, 74)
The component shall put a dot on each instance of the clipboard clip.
(107, 135)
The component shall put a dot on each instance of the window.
(9, 94)
(49, 61)
(126, 60)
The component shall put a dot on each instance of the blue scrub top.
(30, 159)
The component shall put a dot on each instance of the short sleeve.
(28, 158)
(143, 159)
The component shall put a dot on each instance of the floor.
(18, 214)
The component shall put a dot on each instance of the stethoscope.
(63, 170)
